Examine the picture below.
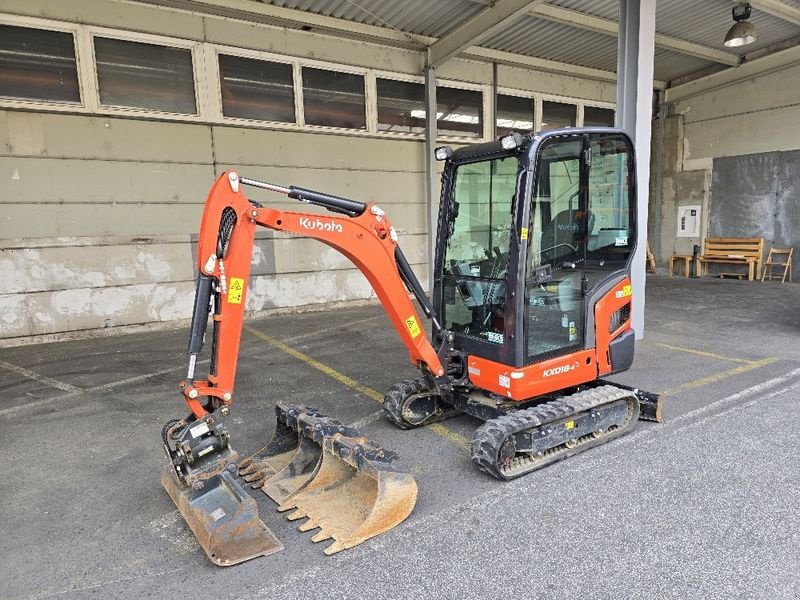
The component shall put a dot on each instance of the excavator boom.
(344, 483)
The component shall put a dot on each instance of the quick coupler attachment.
(201, 480)
(342, 482)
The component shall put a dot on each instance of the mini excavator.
(530, 310)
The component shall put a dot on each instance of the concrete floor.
(702, 506)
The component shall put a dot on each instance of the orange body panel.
(533, 380)
(555, 374)
(618, 297)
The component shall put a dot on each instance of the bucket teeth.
(308, 526)
(321, 537)
(320, 469)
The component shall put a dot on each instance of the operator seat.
(566, 233)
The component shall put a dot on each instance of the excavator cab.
(530, 229)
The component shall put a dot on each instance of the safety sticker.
(523, 234)
(199, 430)
(235, 290)
(413, 326)
(569, 425)
(217, 514)
(624, 292)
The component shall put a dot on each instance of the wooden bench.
(736, 251)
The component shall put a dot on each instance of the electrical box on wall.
(689, 221)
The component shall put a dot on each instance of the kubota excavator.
(531, 308)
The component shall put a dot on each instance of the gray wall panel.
(757, 196)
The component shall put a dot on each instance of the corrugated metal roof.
(532, 36)
(704, 23)
(411, 16)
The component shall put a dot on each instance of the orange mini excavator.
(531, 308)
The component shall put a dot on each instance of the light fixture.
(511, 141)
(443, 152)
(743, 32)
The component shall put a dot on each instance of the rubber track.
(490, 436)
(394, 398)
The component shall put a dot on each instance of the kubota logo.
(559, 370)
(319, 224)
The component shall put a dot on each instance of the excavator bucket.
(353, 497)
(222, 516)
(343, 482)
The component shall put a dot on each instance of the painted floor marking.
(751, 365)
(437, 428)
(706, 354)
(40, 378)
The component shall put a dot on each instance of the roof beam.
(582, 20)
(477, 28)
(543, 64)
(778, 9)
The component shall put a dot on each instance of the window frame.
(215, 76)
(61, 27)
(193, 47)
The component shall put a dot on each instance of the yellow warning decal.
(523, 234)
(569, 425)
(626, 290)
(235, 290)
(413, 326)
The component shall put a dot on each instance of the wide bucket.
(350, 502)
(343, 482)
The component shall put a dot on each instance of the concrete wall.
(98, 212)
(749, 110)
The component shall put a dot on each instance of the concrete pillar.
(431, 178)
(635, 52)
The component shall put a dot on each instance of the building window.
(514, 114)
(598, 117)
(256, 89)
(401, 106)
(37, 64)
(459, 112)
(556, 115)
(138, 75)
(333, 99)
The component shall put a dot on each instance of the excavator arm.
(344, 483)
(361, 232)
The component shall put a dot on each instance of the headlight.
(443, 152)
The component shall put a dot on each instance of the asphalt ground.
(704, 505)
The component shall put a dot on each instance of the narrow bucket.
(222, 516)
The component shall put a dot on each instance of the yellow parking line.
(707, 354)
(751, 365)
(437, 428)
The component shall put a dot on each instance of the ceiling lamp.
(743, 32)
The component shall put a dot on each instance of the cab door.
(559, 228)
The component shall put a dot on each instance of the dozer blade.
(343, 482)
(222, 516)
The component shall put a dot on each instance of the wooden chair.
(651, 260)
(778, 257)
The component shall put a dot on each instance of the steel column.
(431, 177)
(635, 54)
